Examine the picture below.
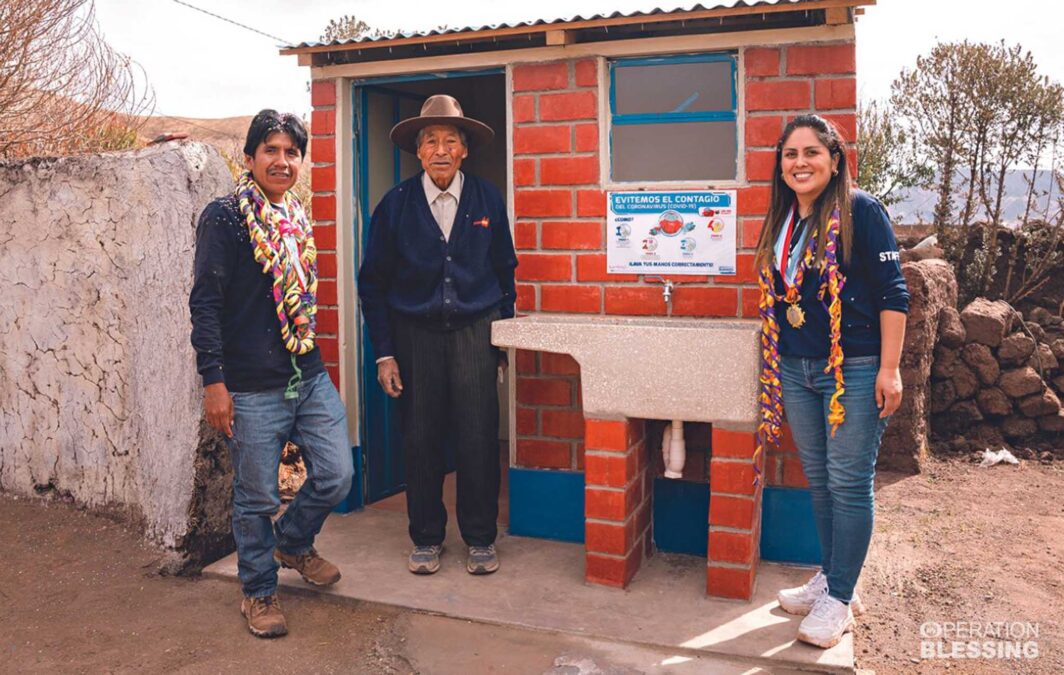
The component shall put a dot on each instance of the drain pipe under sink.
(673, 449)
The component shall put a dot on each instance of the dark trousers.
(449, 386)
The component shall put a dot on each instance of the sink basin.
(695, 370)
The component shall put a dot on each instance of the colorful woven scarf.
(831, 284)
(285, 249)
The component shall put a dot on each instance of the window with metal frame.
(673, 118)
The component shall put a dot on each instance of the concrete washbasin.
(696, 370)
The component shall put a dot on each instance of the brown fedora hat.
(440, 109)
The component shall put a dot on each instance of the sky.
(200, 66)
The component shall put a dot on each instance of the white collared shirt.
(443, 203)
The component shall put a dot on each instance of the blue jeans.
(263, 422)
(840, 470)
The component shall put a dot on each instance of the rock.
(945, 360)
(1016, 426)
(1040, 405)
(1057, 346)
(1058, 383)
(1055, 321)
(1052, 423)
(1023, 453)
(982, 362)
(1020, 382)
(1040, 315)
(943, 395)
(958, 445)
(1042, 360)
(994, 403)
(987, 322)
(986, 435)
(1037, 331)
(1017, 348)
(951, 331)
(965, 381)
(1045, 457)
(965, 414)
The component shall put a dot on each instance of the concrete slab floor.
(541, 587)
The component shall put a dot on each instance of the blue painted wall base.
(788, 532)
(681, 516)
(547, 504)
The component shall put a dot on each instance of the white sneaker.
(826, 623)
(800, 600)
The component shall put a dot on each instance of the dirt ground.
(958, 543)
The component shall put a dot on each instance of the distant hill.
(226, 133)
(918, 205)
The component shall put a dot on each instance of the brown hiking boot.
(264, 616)
(312, 567)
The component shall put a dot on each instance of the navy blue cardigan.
(410, 269)
(873, 283)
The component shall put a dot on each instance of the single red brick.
(762, 62)
(546, 454)
(568, 298)
(591, 203)
(568, 170)
(821, 59)
(733, 547)
(851, 161)
(635, 300)
(326, 292)
(731, 477)
(323, 208)
(524, 172)
(327, 266)
(587, 137)
(324, 236)
(524, 235)
(706, 301)
(730, 511)
(328, 321)
(613, 571)
(733, 443)
(524, 108)
(563, 423)
(323, 149)
(540, 76)
(611, 435)
(787, 440)
(754, 200)
(544, 267)
(526, 362)
(846, 123)
(586, 73)
(606, 538)
(612, 470)
(540, 140)
(543, 391)
(579, 105)
(777, 95)
(730, 582)
(760, 165)
(593, 268)
(526, 298)
(832, 94)
(751, 301)
(751, 231)
(763, 131)
(527, 421)
(323, 178)
(570, 235)
(322, 93)
(793, 474)
(558, 364)
(322, 122)
(329, 348)
(579, 456)
(540, 203)
(693, 279)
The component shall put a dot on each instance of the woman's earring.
(835, 171)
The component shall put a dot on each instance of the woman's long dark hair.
(837, 191)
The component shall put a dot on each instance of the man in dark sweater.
(438, 270)
(253, 306)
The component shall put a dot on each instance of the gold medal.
(795, 315)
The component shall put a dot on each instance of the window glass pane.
(673, 87)
(680, 151)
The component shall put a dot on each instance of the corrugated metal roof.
(673, 9)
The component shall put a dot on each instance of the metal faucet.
(666, 288)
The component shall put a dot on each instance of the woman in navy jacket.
(833, 307)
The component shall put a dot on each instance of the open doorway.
(378, 105)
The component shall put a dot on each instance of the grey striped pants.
(449, 387)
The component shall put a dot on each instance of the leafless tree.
(63, 89)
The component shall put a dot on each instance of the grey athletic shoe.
(482, 560)
(424, 559)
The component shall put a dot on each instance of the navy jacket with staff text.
(411, 269)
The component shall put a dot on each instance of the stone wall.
(99, 398)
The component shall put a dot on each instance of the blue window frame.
(673, 118)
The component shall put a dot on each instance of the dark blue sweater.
(873, 283)
(409, 267)
(235, 330)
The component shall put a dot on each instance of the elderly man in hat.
(438, 270)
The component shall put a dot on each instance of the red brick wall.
(560, 208)
(323, 183)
